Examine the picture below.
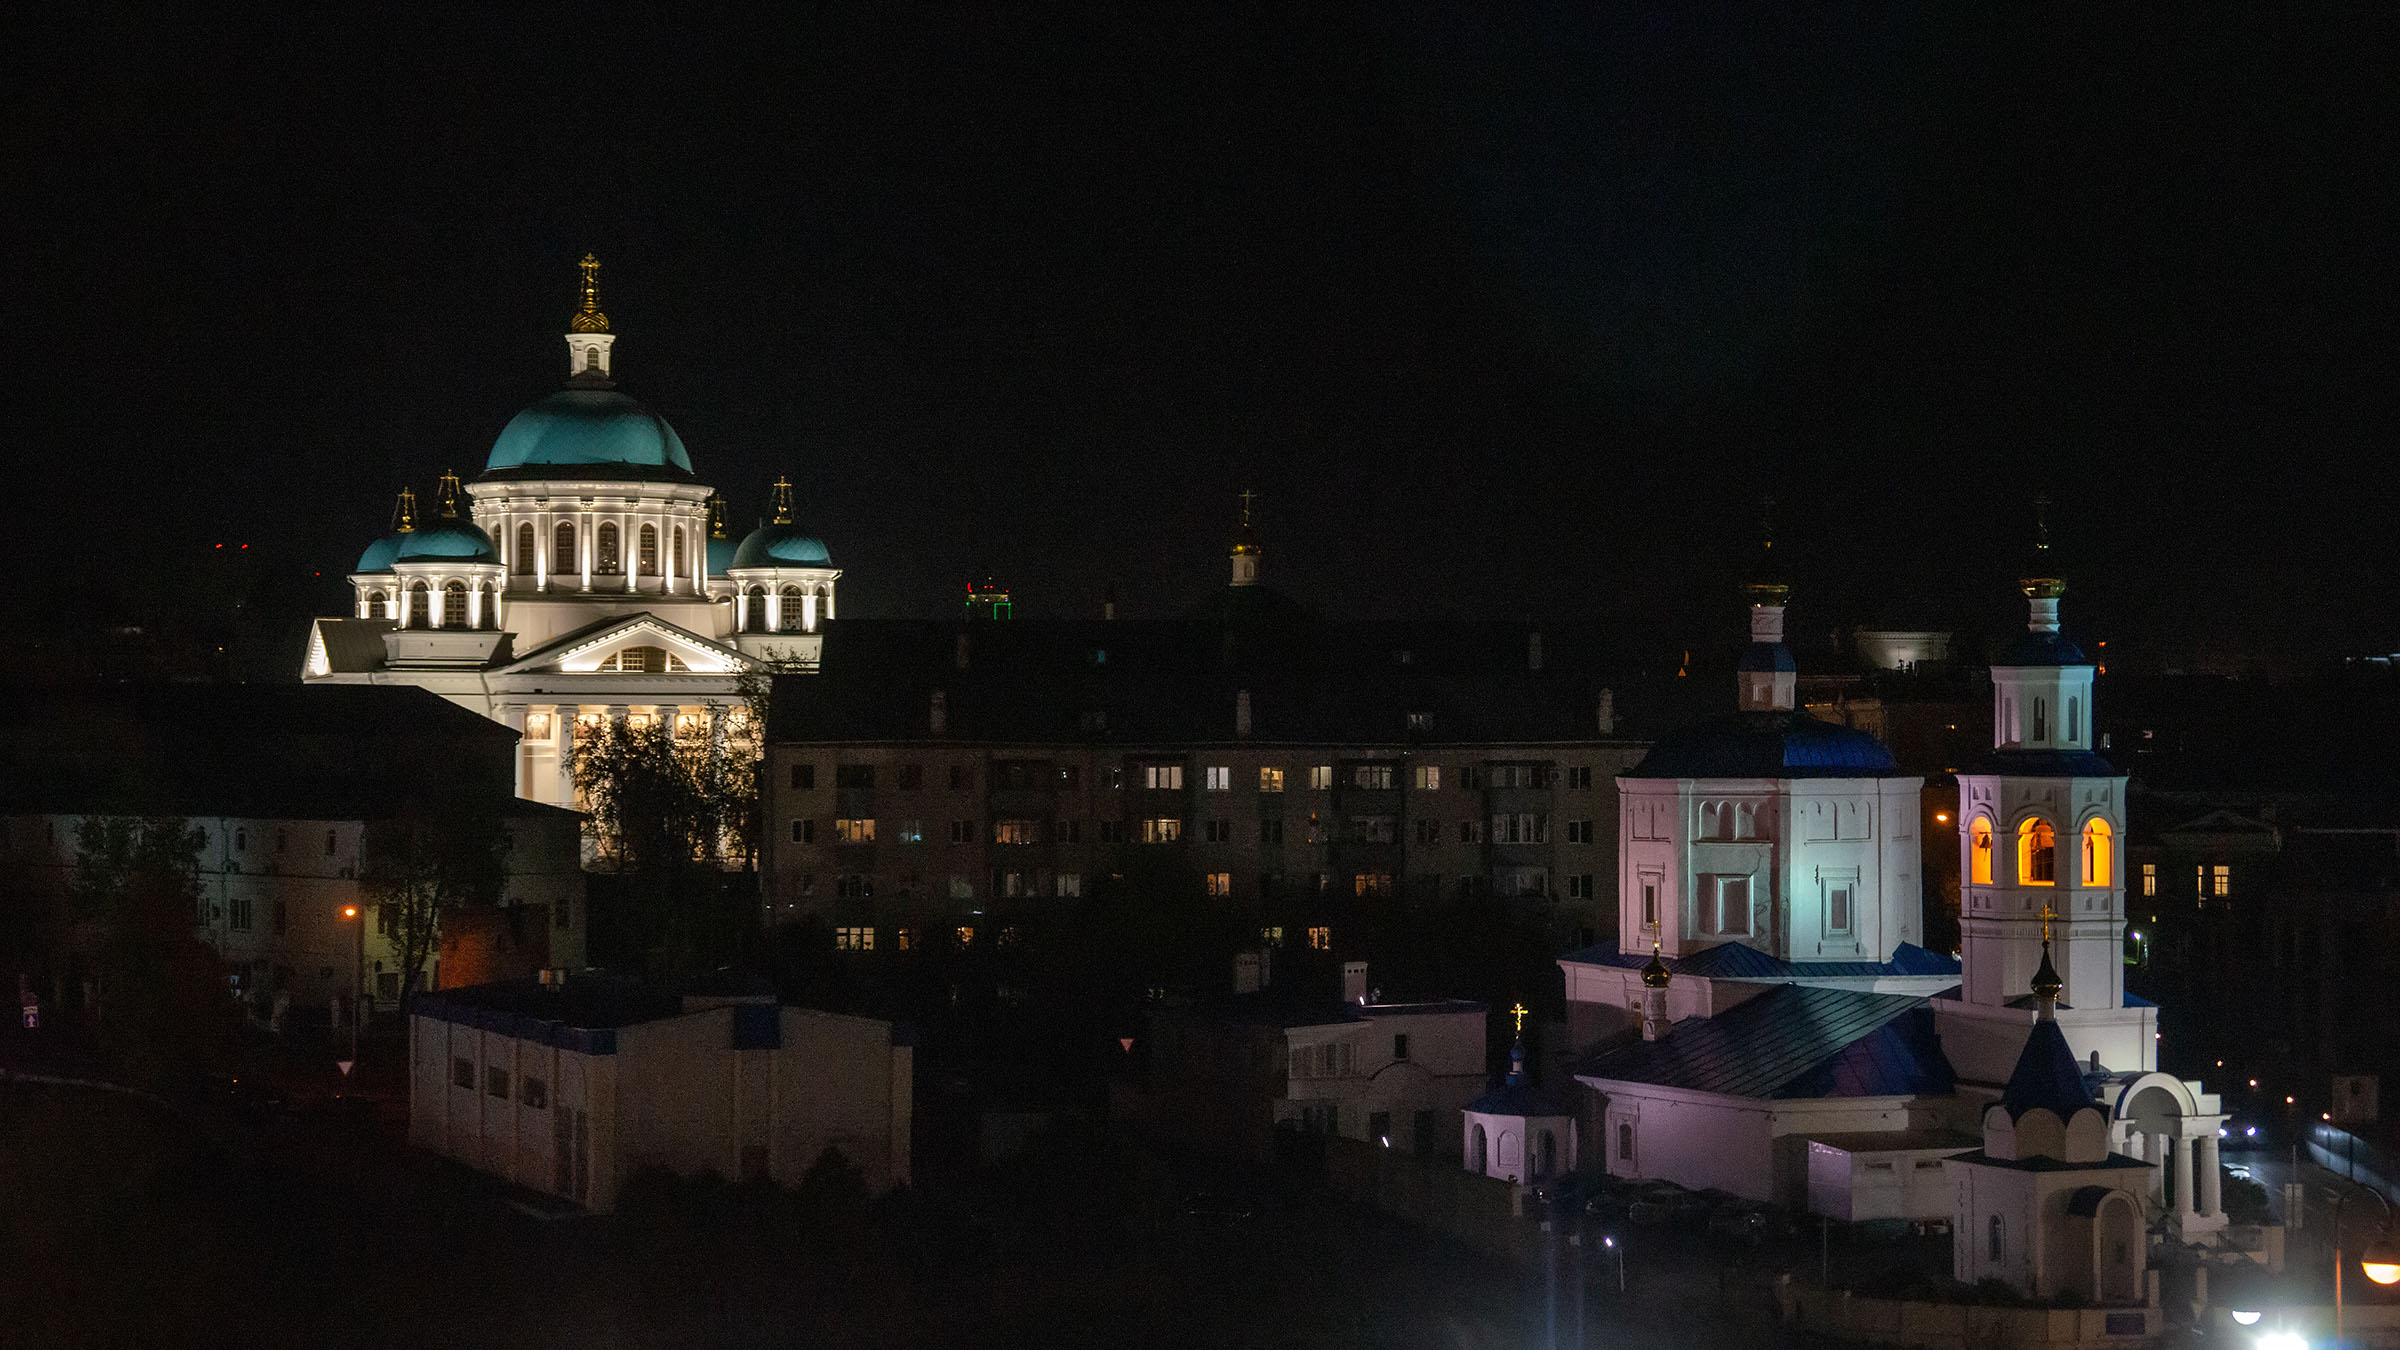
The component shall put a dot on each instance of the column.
(774, 609)
(2154, 1152)
(2183, 1177)
(2212, 1179)
(567, 731)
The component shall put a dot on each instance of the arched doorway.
(1479, 1152)
(2117, 1240)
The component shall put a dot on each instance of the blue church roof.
(588, 428)
(1766, 745)
(1737, 961)
(378, 557)
(720, 555)
(780, 546)
(2047, 1075)
(447, 541)
(1792, 1041)
(2041, 649)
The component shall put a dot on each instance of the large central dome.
(588, 429)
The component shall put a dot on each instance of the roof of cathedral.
(1739, 961)
(586, 428)
(1791, 1041)
(2113, 1162)
(445, 541)
(353, 645)
(2047, 1075)
(1766, 745)
(2046, 764)
(379, 555)
(785, 545)
(2041, 649)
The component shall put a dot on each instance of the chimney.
(1533, 651)
(1354, 982)
(1241, 713)
(1605, 712)
(960, 660)
(939, 716)
(1248, 977)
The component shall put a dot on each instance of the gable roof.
(601, 630)
(2046, 1075)
(1740, 961)
(1792, 1041)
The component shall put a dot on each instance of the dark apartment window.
(537, 1093)
(1112, 831)
(495, 1082)
(283, 918)
(1400, 1045)
(562, 914)
(1220, 831)
(331, 836)
(1579, 778)
(1066, 831)
(241, 841)
(962, 778)
(462, 1073)
(281, 838)
(804, 777)
(1070, 777)
(854, 776)
(1270, 830)
(912, 777)
(804, 831)
(1429, 831)
(962, 832)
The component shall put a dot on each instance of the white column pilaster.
(2212, 1179)
(2183, 1178)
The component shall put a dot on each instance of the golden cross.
(1519, 1013)
(1247, 497)
(591, 276)
(2047, 915)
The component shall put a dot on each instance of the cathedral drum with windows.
(590, 578)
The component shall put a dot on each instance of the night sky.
(1503, 317)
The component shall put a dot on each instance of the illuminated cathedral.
(584, 575)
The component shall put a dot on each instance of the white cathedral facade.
(1767, 1023)
(584, 575)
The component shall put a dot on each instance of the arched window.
(1745, 821)
(491, 605)
(2099, 853)
(757, 618)
(524, 557)
(2074, 720)
(1625, 1141)
(591, 359)
(2041, 719)
(1482, 1152)
(1713, 818)
(2037, 853)
(610, 562)
(379, 605)
(648, 556)
(420, 605)
(454, 604)
(1979, 850)
(1992, 1238)
(679, 550)
(789, 620)
(562, 548)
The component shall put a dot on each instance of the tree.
(161, 988)
(424, 861)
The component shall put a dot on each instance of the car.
(1650, 1213)
(2241, 1170)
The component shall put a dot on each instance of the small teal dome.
(780, 546)
(588, 427)
(379, 555)
(720, 555)
(447, 541)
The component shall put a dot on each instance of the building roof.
(2047, 1076)
(444, 541)
(1517, 1099)
(2113, 1162)
(781, 546)
(378, 556)
(1791, 1041)
(2040, 649)
(1766, 745)
(1135, 681)
(1896, 1141)
(354, 645)
(2046, 764)
(590, 428)
(1740, 961)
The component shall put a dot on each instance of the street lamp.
(358, 984)
(2380, 1259)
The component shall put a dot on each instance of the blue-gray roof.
(447, 541)
(1767, 745)
(2047, 1075)
(1738, 961)
(781, 546)
(588, 427)
(378, 557)
(2041, 649)
(1792, 1041)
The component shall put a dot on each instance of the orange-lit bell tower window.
(2099, 854)
(1979, 849)
(2037, 853)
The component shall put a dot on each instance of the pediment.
(591, 650)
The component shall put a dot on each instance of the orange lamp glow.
(349, 911)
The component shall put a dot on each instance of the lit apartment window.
(1375, 885)
(1375, 777)
(912, 832)
(1220, 778)
(1579, 831)
(537, 726)
(1016, 832)
(1272, 935)
(860, 831)
(640, 721)
(2220, 880)
(1270, 780)
(687, 726)
(1166, 777)
(905, 939)
(1420, 721)
(1220, 884)
(1161, 829)
(1320, 939)
(2149, 878)
(1428, 777)
(854, 939)
(1320, 777)
(966, 935)
(1070, 885)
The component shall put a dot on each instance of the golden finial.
(2048, 914)
(1245, 539)
(716, 516)
(783, 501)
(445, 496)
(589, 319)
(1518, 1012)
(404, 512)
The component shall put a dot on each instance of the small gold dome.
(1655, 975)
(589, 319)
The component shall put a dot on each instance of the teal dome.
(720, 555)
(781, 546)
(588, 428)
(447, 541)
(379, 555)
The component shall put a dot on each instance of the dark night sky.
(1504, 317)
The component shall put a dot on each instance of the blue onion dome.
(1766, 745)
(780, 542)
(588, 428)
(448, 541)
(379, 555)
